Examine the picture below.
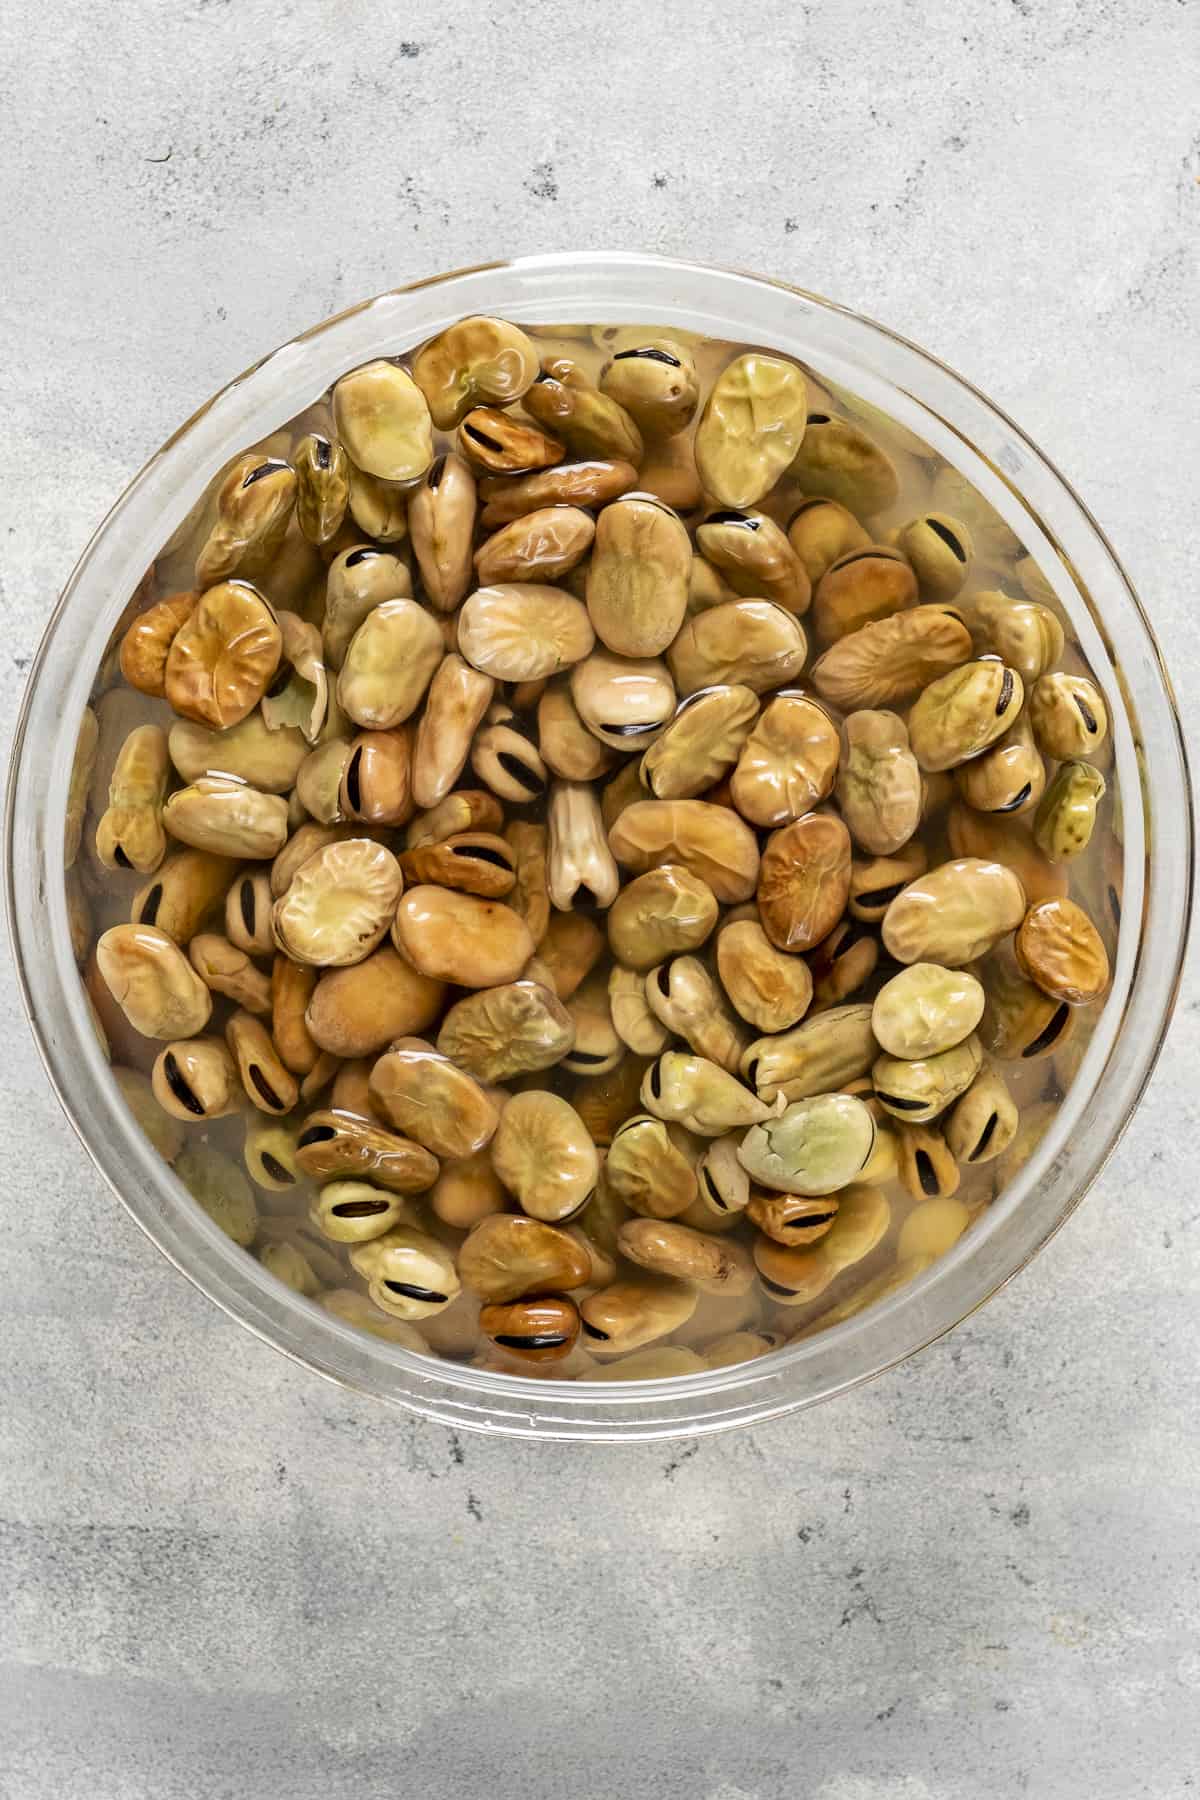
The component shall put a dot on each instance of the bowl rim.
(478, 1399)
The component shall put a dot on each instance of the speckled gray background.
(221, 1579)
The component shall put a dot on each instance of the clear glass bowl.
(1028, 493)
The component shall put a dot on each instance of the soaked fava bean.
(651, 1167)
(460, 938)
(322, 486)
(660, 914)
(130, 834)
(710, 842)
(408, 1273)
(654, 1364)
(961, 713)
(860, 589)
(528, 843)
(579, 863)
(268, 1084)
(841, 963)
(540, 546)
(738, 1347)
(287, 1263)
(590, 422)
(565, 744)
(931, 1229)
(376, 782)
(592, 483)
(700, 743)
(625, 787)
(467, 1191)
(637, 580)
(292, 986)
(788, 762)
(598, 1046)
(820, 531)
(83, 765)
(383, 420)
(359, 1010)
(804, 880)
(792, 1276)
(388, 665)
(605, 1102)
(537, 1330)
(152, 982)
(544, 1156)
(336, 1145)
(694, 1092)
(722, 1185)
(147, 642)
(953, 914)
(269, 1153)
(298, 698)
(505, 1031)
(994, 838)
(635, 1311)
(472, 862)
(1059, 949)
(1068, 716)
(351, 1090)
(160, 1126)
(507, 1256)
(254, 505)
(629, 1009)
(441, 523)
(477, 359)
(751, 428)
(770, 988)
(655, 383)
(755, 557)
(1020, 1020)
(793, 1218)
(356, 1309)
(1026, 636)
(359, 579)
(818, 1056)
(746, 643)
(890, 658)
(926, 1009)
(940, 550)
(1010, 777)
(682, 994)
(502, 445)
(218, 1186)
(918, 1089)
(430, 1099)
(227, 818)
(624, 701)
(196, 1078)
(354, 1212)
(838, 460)
(715, 1265)
(879, 783)
(668, 471)
(183, 894)
(707, 586)
(520, 631)
(223, 656)
(249, 751)
(816, 1146)
(1066, 814)
(226, 970)
(983, 1121)
(339, 904)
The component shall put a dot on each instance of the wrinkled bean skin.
(1020, 1020)
(820, 531)
(751, 428)
(890, 658)
(1059, 950)
(223, 656)
(591, 483)
(860, 589)
(691, 1091)
(322, 487)
(1026, 636)
(506, 1031)
(817, 1146)
(655, 383)
(427, 1098)
(804, 881)
(820, 1055)
(983, 1121)
(477, 359)
(1010, 777)
(755, 557)
(683, 996)
(147, 642)
(630, 1313)
(917, 1090)
(926, 1009)
(1066, 814)
(769, 988)
(254, 504)
(339, 904)
(713, 1264)
(541, 546)
(751, 643)
(879, 783)
(441, 522)
(665, 912)
(637, 583)
(840, 462)
(130, 834)
(788, 763)
(701, 743)
(520, 631)
(710, 842)
(457, 700)
(507, 1256)
(961, 713)
(1068, 716)
(360, 579)
(953, 914)
(152, 982)
(544, 1156)
(591, 423)
(650, 1167)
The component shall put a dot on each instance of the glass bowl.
(1029, 495)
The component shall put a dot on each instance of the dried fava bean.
(1060, 951)
(788, 763)
(570, 949)
(520, 631)
(460, 938)
(713, 1264)
(1020, 1020)
(820, 531)
(152, 982)
(926, 1009)
(504, 758)
(659, 914)
(816, 1057)
(684, 996)
(940, 551)
(634, 1311)
(269, 1153)
(218, 1186)
(755, 557)
(983, 1122)
(769, 988)
(1066, 815)
(249, 751)
(339, 904)
(804, 880)
(389, 664)
(841, 963)
(473, 862)
(544, 1156)
(961, 713)
(919, 1089)
(879, 783)
(700, 743)
(637, 580)
(292, 986)
(354, 1212)
(535, 1330)
(466, 1191)
(579, 863)
(668, 471)
(130, 834)
(655, 383)
(794, 1276)
(223, 656)
(751, 428)
(839, 461)
(691, 1091)
(589, 422)
(376, 780)
(541, 546)
(624, 701)
(793, 1218)
(752, 643)
(861, 588)
(147, 642)
(383, 420)
(817, 1146)
(1028, 637)
(254, 505)
(357, 1011)
(359, 580)
(227, 970)
(629, 1009)
(227, 818)
(1068, 715)
(322, 486)
(424, 1095)
(505, 1031)
(457, 700)
(994, 838)
(1009, 778)
(592, 483)
(598, 1046)
(476, 359)
(408, 1273)
(926, 1163)
(470, 809)
(340, 1144)
(650, 1167)
(196, 1078)
(507, 1256)
(566, 745)
(708, 841)
(269, 1085)
(890, 658)
(955, 913)
(502, 445)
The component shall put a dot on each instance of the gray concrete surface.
(218, 1576)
